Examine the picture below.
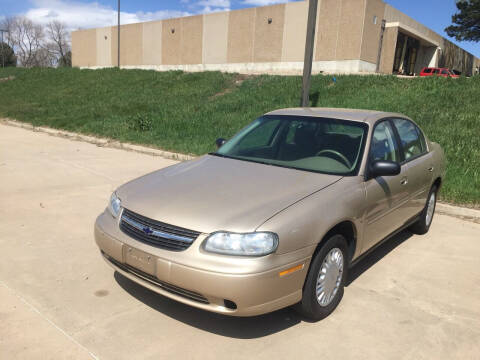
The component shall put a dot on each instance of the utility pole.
(307, 62)
(3, 52)
(118, 37)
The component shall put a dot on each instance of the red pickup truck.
(433, 71)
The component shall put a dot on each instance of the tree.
(7, 56)
(466, 22)
(38, 45)
(66, 60)
(27, 40)
(59, 44)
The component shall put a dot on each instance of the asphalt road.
(416, 297)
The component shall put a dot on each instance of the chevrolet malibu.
(278, 214)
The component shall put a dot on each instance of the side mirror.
(384, 168)
(219, 142)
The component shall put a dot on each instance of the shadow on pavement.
(376, 255)
(235, 327)
(241, 327)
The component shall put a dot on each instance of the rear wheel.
(423, 223)
(323, 288)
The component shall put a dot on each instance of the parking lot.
(415, 297)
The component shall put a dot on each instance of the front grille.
(155, 281)
(156, 233)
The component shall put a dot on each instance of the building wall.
(426, 57)
(434, 50)
(113, 47)
(476, 66)
(388, 50)
(152, 42)
(294, 31)
(84, 48)
(327, 29)
(268, 40)
(191, 46)
(456, 58)
(350, 28)
(241, 35)
(215, 38)
(374, 11)
(171, 39)
(131, 44)
(263, 39)
(103, 41)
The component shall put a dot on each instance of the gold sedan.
(278, 214)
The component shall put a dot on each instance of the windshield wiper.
(222, 155)
(240, 158)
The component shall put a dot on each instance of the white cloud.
(78, 15)
(264, 2)
(210, 6)
(209, 10)
(215, 3)
(81, 15)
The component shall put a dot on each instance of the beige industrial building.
(349, 38)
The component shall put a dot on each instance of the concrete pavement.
(416, 297)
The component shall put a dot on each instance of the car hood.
(214, 193)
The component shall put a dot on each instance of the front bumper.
(224, 284)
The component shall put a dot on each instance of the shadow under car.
(246, 327)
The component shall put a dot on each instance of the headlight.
(115, 205)
(250, 244)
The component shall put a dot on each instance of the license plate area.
(139, 260)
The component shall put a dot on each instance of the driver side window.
(383, 146)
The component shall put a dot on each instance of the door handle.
(404, 181)
(430, 168)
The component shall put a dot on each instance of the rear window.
(411, 138)
(427, 70)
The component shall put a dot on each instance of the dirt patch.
(239, 79)
(7, 78)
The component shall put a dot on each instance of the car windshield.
(324, 145)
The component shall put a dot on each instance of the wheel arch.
(437, 182)
(345, 228)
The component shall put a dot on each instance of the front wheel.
(426, 216)
(323, 288)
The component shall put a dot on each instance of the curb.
(463, 213)
(102, 142)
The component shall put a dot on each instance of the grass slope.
(186, 112)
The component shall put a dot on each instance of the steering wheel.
(339, 155)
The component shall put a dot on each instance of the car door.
(419, 160)
(386, 197)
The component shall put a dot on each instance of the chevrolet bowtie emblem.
(147, 230)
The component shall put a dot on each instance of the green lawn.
(186, 112)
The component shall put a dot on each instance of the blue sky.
(436, 14)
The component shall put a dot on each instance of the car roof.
(367, 116)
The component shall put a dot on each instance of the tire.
(423, 223)
(310, 306)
